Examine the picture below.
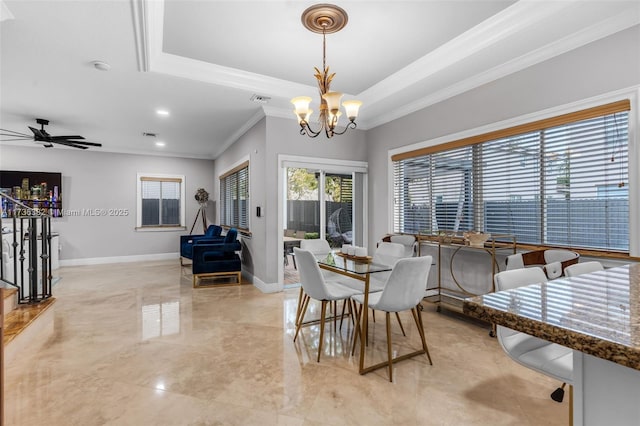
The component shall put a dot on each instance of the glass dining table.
(359, 268)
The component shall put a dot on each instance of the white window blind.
(161, 204)
(558, 185)
(234, 197)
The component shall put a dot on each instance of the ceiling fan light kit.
(325, 19)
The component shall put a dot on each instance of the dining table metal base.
(362, 331)
(384, 364)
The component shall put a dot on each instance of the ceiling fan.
(41, 135)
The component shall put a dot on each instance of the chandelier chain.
(324, 48)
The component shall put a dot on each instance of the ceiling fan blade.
(18, 139)
(6, 132)
(41, 135)
(83, 143)
(53, 138)
(71, 144)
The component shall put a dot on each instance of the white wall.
(97, 180)
(263, 143)
(283, 137)
(249, 146)
(601, 67)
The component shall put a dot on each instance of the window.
(160, 201)
(559, 182)
(234, 197)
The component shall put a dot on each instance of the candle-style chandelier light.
(325, 19)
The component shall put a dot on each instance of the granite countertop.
(598, 313)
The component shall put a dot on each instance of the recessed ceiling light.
(162, 112)
(101, 65)
(160, 143)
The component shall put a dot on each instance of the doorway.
(323, 199)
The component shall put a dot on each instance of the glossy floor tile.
(135, 344)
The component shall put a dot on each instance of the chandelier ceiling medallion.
(325, 19)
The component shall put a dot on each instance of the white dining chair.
(386, 254)
(407, 241)
(548, 358)
(315, 287)
(403, 291)
(583, 268)
(316, 246)
(389, 253)
(320, 248)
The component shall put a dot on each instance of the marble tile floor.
(291, 275)
(135, 344)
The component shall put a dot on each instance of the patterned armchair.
(211, 259)
(212, 234)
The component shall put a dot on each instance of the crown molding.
(149, 27)
(632, 92)
(5, 13)
(522, 15)
(503, 25)
(273, 111)
(225, 76)
(140, 33)
(117, 150)
(588, 35)
(255, 118)
(161, 62)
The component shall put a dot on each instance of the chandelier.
(325, 19)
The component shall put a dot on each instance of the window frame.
(235, 171)
(529, 122)
(160, 177)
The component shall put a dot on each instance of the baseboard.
(265, 287)
(257, 282)
(118, 259)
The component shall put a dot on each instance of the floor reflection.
(160, 319)
(138, 345)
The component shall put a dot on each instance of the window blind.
(561, 185)
(234, 197)
(160, 201)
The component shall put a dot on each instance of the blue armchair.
(217, 259)
(212, 234)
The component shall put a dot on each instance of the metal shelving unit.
(455, 242)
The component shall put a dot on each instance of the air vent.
(260, 99)
(151, 135)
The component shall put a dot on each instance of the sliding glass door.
(302, 213)
(319, 204)
(320, 198)
(338, 204)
